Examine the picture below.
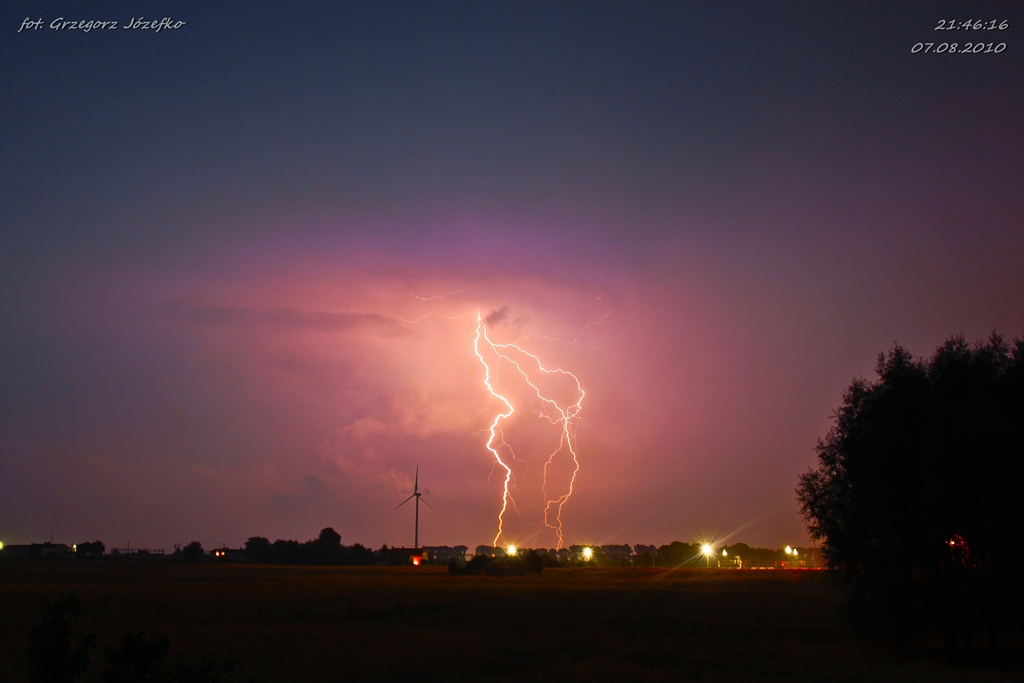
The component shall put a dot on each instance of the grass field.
(274, 623)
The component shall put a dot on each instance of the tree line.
(324, 549)
(327, 549)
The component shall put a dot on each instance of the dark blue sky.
(762, 196)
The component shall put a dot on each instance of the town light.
(588, 553)
(707, 550)
(789, 551)
(511, 551)
(725, 553)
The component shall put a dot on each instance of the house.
(228, 554)
(37, 551)
(405, 556)
(443, 554)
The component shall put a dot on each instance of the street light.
(588, 553)
(708, 551)
(511, 551)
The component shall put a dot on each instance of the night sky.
(241, 261)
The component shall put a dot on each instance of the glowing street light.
(707, 550)
(789, 551)
(511, 551)
(588, 553)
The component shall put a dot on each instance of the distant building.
(644, 555)
(136, 552)
(37, 551)
(228, 554)
(444, 553)
(405, 556)
(617, 553)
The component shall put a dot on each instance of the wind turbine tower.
(418, 496)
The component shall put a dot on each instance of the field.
(274, 623)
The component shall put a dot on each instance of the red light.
(415, 560)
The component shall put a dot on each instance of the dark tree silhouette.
(326, 549)
(258, 549)
(56, 652)
(677, 554)
(138, 659)
(357, 555)
(916, 497)
(90, 548)
(329, 538)
(287, 552)
(193, 551)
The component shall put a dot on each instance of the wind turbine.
(418, 496)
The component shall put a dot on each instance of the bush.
(56, 653)
(138, 659)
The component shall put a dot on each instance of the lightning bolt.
(565, 416)
(444, 296)
(482, 332)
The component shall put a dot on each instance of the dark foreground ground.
(272, 623)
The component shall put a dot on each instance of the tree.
(329, 538)
(326, 549)
(91, 548)
(287, 552)
(677, 554)
(258, 549)
(193, 551)
(916, 494)
(357, 555)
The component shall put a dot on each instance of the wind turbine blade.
(416, 486)
(427, 504)
(405, 501)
